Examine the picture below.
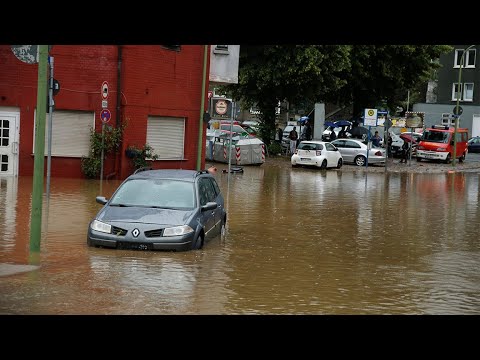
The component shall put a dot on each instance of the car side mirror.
(101, 200)
(209, 206)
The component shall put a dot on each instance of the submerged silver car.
(160, 210)
(355, 151)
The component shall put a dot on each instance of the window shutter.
(166, 135)
(70, 133)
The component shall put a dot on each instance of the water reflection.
(299, 241)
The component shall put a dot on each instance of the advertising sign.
(414, 119)
(221, 108)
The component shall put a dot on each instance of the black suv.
(160, 210)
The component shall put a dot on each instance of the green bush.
(111, 143)
(91, 166)
(274, 148)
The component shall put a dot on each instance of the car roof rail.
(200, 172)
(145, 168)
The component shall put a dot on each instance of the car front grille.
(153, 233)
(118, 231)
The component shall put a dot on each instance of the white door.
(476, 125)
(9, 130)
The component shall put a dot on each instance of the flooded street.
(299, 241)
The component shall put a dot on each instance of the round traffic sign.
(105, 115)
(459, 112)
(104, 90)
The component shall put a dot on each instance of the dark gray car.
(160, 210)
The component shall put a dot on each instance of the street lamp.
(459, 93)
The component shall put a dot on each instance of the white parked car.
(355, 151)
(317, 153)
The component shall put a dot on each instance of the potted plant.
(132, 152)
(141, 156)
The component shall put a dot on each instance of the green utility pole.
(459, 93)
(202, 107)
(37, 193)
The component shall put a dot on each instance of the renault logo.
(135, 232)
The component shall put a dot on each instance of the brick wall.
(155, 81)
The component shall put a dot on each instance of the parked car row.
(333, 154)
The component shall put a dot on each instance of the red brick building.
(155, 91)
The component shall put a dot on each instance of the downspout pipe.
(119, 86)
(119, 104)
(202, 109)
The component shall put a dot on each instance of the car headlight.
(100, 226)
(177, 230)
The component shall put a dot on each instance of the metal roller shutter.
(166, 135)
(70, 133)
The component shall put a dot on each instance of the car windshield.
(235, 128)
(436, 136)
(162, 193)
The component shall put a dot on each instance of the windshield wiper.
(120, 205)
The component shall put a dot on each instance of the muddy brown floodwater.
(299, 241)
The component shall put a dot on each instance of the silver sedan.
(355, 151)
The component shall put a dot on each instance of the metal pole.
(229, 161)
(386, 139)
(411, 146)
(50, 114)
(230, 143)
(202, 110)
(101, 159)
(368, 145)
(38, 166)
(408, 99)
(459, 93)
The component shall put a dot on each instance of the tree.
(269, 74)
(384, 73)
(365, 75)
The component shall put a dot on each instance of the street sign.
(370, 117)
(460, 110)
(104, 90)
(104, 104)
(105, 115)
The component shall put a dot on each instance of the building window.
(448, 119)
(468, 92)
(172, 47)
(166, 135)
(70, 133)
(221, 49)
(469, 59)
(456, 93)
